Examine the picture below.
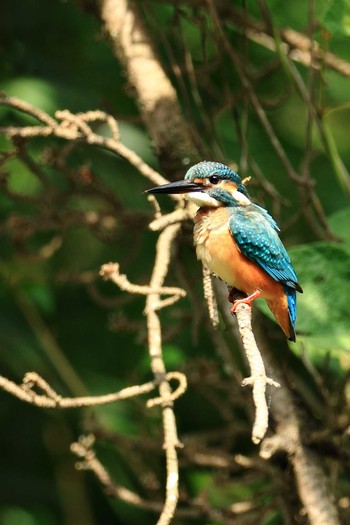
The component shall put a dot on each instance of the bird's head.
(209, 184)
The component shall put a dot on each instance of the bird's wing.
(255, 233)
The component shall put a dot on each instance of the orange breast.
(217, 249)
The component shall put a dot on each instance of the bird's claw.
(246, 300)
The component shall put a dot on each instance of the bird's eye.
(214, 179)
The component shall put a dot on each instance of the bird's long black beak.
(181, 186)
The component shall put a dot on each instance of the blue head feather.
(206, 169)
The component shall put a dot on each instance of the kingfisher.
(238, 240)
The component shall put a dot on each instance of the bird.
(238, 240)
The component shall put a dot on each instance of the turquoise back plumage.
(255, 233)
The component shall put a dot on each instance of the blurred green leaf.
(337, 17)
(41, 294)
(273, 518)
(339, 223)
(35, 91)
(17, 516)
(21, 180)
(323, 269)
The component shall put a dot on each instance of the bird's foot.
(246, 300)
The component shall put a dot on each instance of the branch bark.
(310, 477)
(171, 441)
(155, 94)
(258, 379)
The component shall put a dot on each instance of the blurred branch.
(50, 346)
(155, 95)
(76, 128)
(314, 116)
(296, 44)
(305, 184)
(195, 508)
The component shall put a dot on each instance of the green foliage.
(35, 91)
(323, 315)
(17, 516)
(337, 17)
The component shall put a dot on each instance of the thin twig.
(36, 391)
(210, 297)
(75, 128)
(110, 271)
(171, 441)
(195, 509)
(153, 305)
(178, 215)
(297, 45)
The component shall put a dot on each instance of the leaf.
(42, 296)
(323, 269)
(21, 180)
(17, 516)
(339, 223)
(337, 18)
(33, 90)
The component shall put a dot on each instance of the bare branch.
(171, 441)
(75, 128)
(110, 271)
(295, 44)
(35, 112)
(32, 382)
(156, 96)
(195, 509)
(83, 449)
(210, 297)
(258, 379)
(153, 305)
(181, 389)
(179, 215)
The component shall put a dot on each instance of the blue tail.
(292, 309)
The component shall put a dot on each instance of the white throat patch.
(242, 199)
(203, 199)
